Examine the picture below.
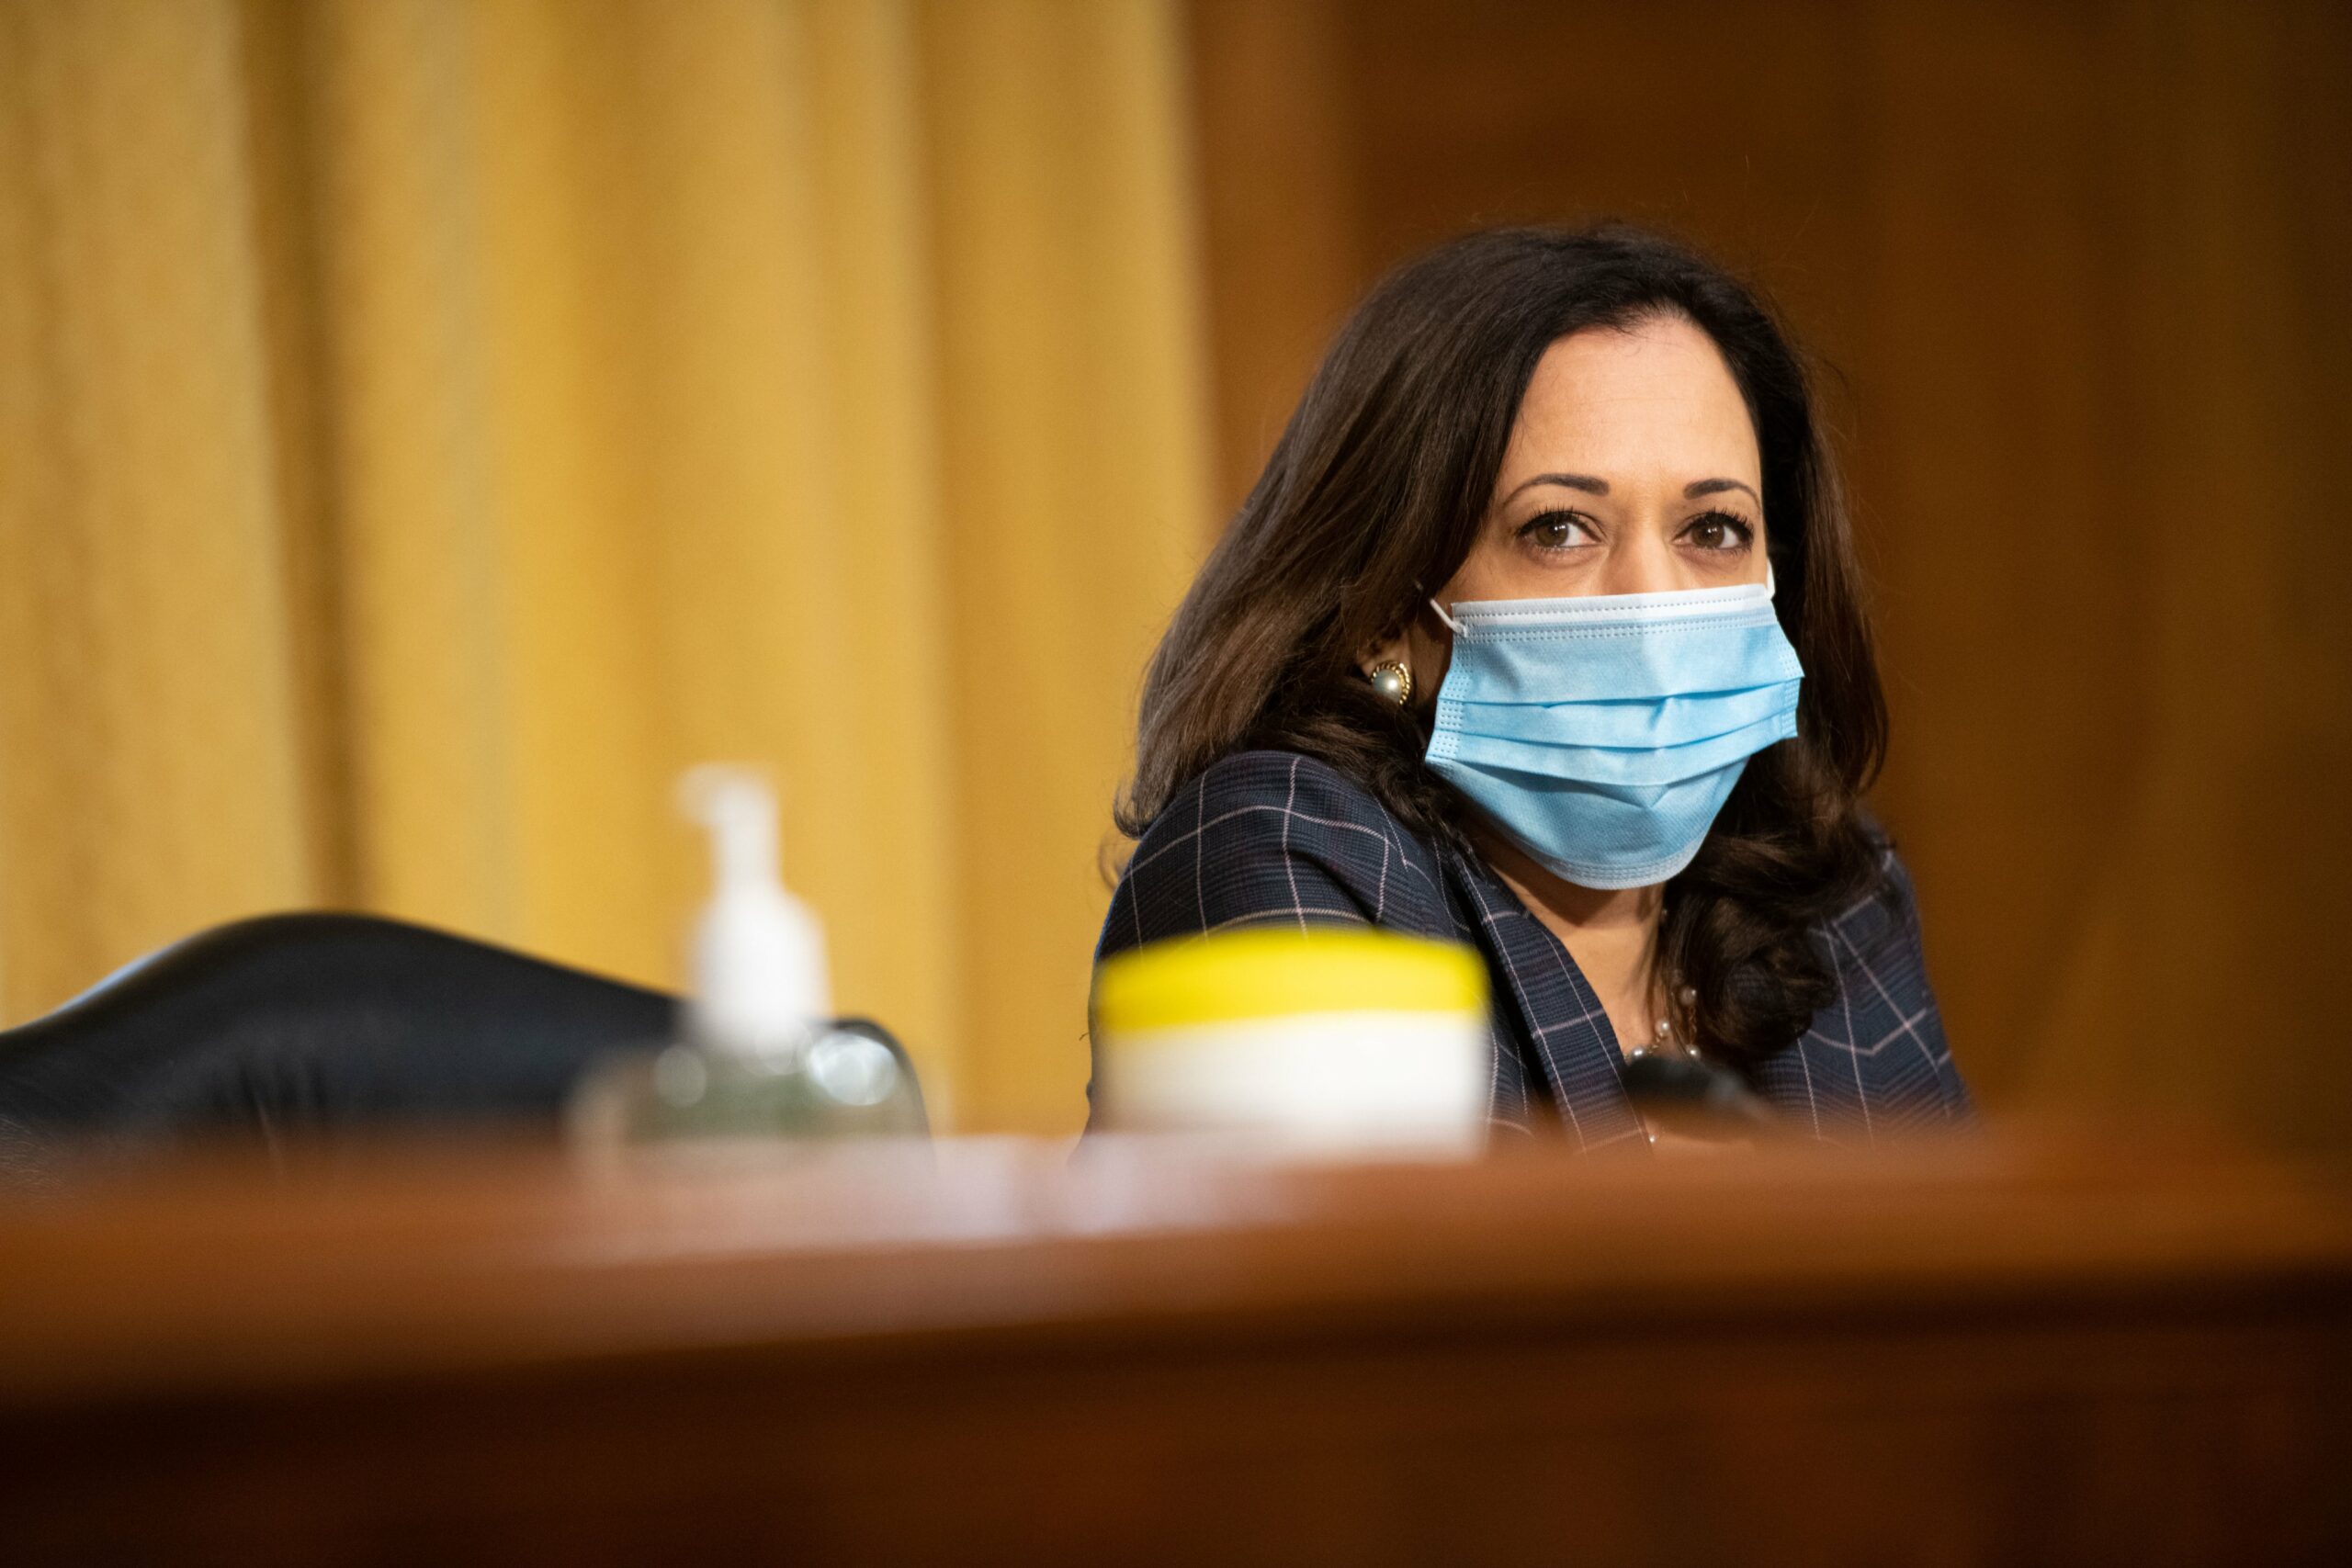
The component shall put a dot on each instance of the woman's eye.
(1719, 531)
(1555, 531)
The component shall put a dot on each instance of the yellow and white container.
(1329, 1041)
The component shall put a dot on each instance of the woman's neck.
(1611, 934)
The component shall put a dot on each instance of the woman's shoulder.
(1886, 1009)
(1271, 835)
(1287, 800)
(1270, 781)
(1887, 911)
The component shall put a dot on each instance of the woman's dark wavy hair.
(1373, 498)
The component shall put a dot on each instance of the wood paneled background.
(2077, 274)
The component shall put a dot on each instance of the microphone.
(1695, 1098)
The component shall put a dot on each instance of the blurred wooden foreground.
(1995, 1352)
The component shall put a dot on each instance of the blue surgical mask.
(1604, 733)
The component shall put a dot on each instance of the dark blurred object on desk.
(1970, 1353)
(293, 1026)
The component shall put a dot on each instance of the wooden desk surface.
(1982, 1352)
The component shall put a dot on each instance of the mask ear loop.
(1451, 623)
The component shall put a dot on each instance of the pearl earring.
(1394, 680)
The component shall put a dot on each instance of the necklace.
(1665, 1039)
(1666, 1045)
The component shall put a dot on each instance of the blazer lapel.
(1560, 1016)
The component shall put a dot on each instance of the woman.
(1540, 631)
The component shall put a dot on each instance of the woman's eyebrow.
(1697, 488)
(1584, 482)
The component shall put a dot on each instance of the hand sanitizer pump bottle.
(756, 963)
(758, 1057)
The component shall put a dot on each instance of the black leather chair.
(314, 1024)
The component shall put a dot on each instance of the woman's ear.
(1388, 650)
(1411, 661)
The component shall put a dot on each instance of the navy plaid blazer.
(1274, 835)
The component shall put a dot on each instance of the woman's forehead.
(1653, 395)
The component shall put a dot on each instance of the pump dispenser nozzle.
(758, 957)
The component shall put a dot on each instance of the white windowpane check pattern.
(1273, 837)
